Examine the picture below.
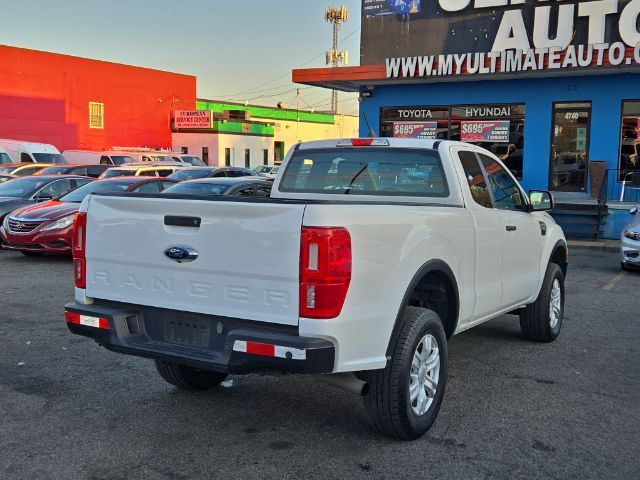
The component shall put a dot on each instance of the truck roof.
(383, 141)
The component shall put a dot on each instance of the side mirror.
(540, 200)
(633, 211)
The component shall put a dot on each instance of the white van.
(30, 152)
(86, 157)
(4, 157)
(145, 154)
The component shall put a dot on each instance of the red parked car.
(47, 228)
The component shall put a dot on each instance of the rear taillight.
(79, 250)
(325, 271)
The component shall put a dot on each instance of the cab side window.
(245, 191)
(25, 158)
(475, 179)
(506, 193)
(165, 185)
(104, 160)
(149, 187)
(55, 189)
(263, 191)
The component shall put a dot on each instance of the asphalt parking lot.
(513, 409)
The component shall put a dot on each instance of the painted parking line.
(613, 281)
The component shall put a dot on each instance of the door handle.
(511, 228)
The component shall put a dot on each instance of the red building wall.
(44, 97)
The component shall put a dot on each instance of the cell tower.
(336, 16)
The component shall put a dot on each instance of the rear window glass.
(118, 173)
(119, 160)
(190, 174)
(54, 170)
(366, 171)
(49, 158)
(198, 189)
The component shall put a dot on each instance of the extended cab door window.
(506, 194)
(475, 179)
(522, 237)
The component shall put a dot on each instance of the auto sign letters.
(512, 36)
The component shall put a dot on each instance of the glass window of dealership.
(501, 129)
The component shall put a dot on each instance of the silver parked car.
(630, 242)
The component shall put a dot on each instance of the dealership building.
(238, 134)
(548, 87)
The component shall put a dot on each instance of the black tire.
(188, 378)
(535, 318)
(625, 267)
(388, 400)
(30, 254)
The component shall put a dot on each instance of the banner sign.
(374, 8)
(480, 131)
(484, 37)
(423, 130)
(192, 119)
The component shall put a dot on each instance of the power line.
(259, 87)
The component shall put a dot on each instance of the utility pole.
(336, 16)
(298, 114)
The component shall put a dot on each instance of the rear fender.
(435, 265)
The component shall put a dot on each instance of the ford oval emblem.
(181, 254)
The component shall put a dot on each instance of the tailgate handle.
(177, 221)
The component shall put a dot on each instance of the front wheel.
(188, 378)
(541, 320)
(404, 398)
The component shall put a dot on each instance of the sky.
(239, 50)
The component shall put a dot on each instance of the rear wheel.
(404, 398)
(188, 378)
(541, 320)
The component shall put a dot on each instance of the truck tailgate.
(247, 265)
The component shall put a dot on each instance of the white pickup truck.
(369, 255)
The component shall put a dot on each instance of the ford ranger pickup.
(368, 257)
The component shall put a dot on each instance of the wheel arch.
(560, 256)
(430, 282)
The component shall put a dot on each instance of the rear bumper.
(203, 341)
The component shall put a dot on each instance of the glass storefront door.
(569, 160)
